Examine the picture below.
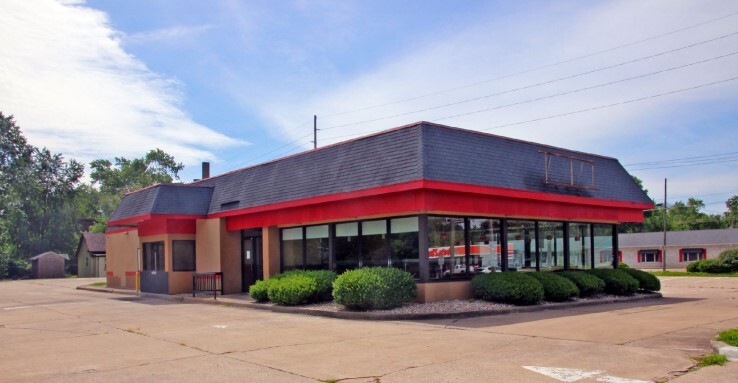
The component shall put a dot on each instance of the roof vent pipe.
(205, 170)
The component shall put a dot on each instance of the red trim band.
(130, 273)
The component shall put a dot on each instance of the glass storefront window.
(404, 244)
(316, 247)
(485, 245)
(551, 246)
(292, 248)
(374, 243)
(603, 246)
(521, 245)
(446, 248)
(153, 256)
(347, 246)
(579, 246)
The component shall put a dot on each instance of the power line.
(551, 82)
(535, 68)
(692, 164)
(681, 159)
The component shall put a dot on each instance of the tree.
(732, 205)
(111, 182)
(36, 209)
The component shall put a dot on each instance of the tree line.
(45, 202)
(684, 215)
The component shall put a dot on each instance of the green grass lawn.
(688, 274)
(99, 284)
(729, 337)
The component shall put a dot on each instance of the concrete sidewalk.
(52, 332)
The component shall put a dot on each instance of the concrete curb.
(723, 348)
(357, 315)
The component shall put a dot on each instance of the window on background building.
(446, 248)
(153, 256)
(292, 248)
(484, 245)
(603, 248)
(579, 246)
(183, 256)
(374, 243)
(651, 255)
(521, 245)
(691, 255)
(347, 247)
(316, 247)
(551, 246)
(404, 244)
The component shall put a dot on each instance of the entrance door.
(250, 261)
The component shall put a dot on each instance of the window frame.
(644, 253)
(194, 255)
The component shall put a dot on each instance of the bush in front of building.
(374, 288)
(555, 287)
(292, 290)
(623, 265)
(729, 259)
(713, 266)
(694, 267)
(508, 287)
(259, 291)
(588, 284)
(617, 282)
(646, 281)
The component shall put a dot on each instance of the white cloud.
(172, 34)
(74, 89)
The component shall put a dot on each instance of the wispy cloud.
(74, 89)
(164, 35)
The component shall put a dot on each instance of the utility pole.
(315, 131)
(663, 252)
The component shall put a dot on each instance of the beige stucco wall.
(120, 251)
(230, 259)
(207, 244)
(630, 255)
(442, 291)
(270, 244)
(85, 263)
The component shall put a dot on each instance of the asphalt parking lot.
(52, 332)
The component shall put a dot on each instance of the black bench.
(207, 283)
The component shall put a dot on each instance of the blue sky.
(237, 82)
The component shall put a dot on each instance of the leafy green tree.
(36, 203)
(732, 215)
(110, 182)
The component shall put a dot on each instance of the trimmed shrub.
(617, 282)
(374, 288)
(713, 266)
(293, 290)
(259, 291)
(694, 267)
(623, 265)
(646, 281)
(324, 280)
(508, 287)
(729, 259)
(555, 287)
(588, 284)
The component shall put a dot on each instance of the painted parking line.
(572, 375)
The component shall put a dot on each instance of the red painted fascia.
(437, 185)
(121, 230)
(162, 225)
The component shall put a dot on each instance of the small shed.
(48, 265)
(91, 255)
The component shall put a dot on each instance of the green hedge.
(617, 282)
(555, 287)
(623, 265)
(588, 284)
(374, 288)
(646, 281)
(694, 267)
(322, 291)
(508, 287)
(713, 266)
(729, 259)
(293, 290)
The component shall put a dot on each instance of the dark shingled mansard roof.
(95, 242)
(413, 152)
(680, 238)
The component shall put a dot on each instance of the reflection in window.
(521, 242)
(446, 248)
(347, 246)
(404, 244)
(292, 248)
(183, 255)
(551, 246)
(374, 244)
(153, 256)
(316, 247)
(603, 246)
(485, 245)
(579, 246)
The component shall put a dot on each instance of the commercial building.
(439, 202)
(646, 250)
